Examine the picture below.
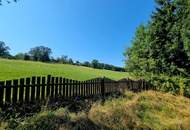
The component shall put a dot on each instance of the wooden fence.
(27, 90)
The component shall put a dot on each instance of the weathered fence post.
(15, 91)
(60, 86)
(27, 93)
(43, 88)
(67, 88)
(38, 88)
(21, 91)
(33, 88)
(64, 85)
(8, 91)
(103, 88)
(1, 93)
(56, 86)
(48, 85)
(52, 87)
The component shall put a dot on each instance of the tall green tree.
(70, 61)
(166, 43)
(163, 45)
(4, 50)
(40, 53)
(95, 63)
(137, 57)
(185, 22)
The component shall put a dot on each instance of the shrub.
(175, 85)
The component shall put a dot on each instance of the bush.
(176, 85)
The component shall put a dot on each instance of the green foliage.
(70, 61)
(163, 46)
(7, 1)
(40, 53)
(175, 85)
(94, 63)
(22, 56)
(4, 50)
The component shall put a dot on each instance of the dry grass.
(142, 111)
(147, 110)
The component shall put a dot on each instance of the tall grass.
(147, 110)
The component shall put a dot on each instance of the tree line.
(43, 54)
(163, 45)
(7, 1)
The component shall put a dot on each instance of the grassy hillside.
(143, 111)
(14, 69)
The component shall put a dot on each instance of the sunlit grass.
(14, 69)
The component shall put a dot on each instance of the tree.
(4, 50)
(77, 63)
(70, 61)
(162, 46)
(166, 41)
(185, 11)
(27, 56)
(22, 56)
(19, 56)
(40, 53)
(137, 57)
(7, 1)
(63, 59)
(95, 63)
(87, 64)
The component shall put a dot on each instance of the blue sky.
(82, 29)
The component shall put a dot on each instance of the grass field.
(14, 69)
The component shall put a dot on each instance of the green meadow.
(14, 69)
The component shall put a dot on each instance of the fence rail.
(26, 90)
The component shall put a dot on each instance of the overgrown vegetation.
(146, 110)
(163, 45)
(176, 85)
(160, 51)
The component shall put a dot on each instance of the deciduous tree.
(40, 53)
(4, 50)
